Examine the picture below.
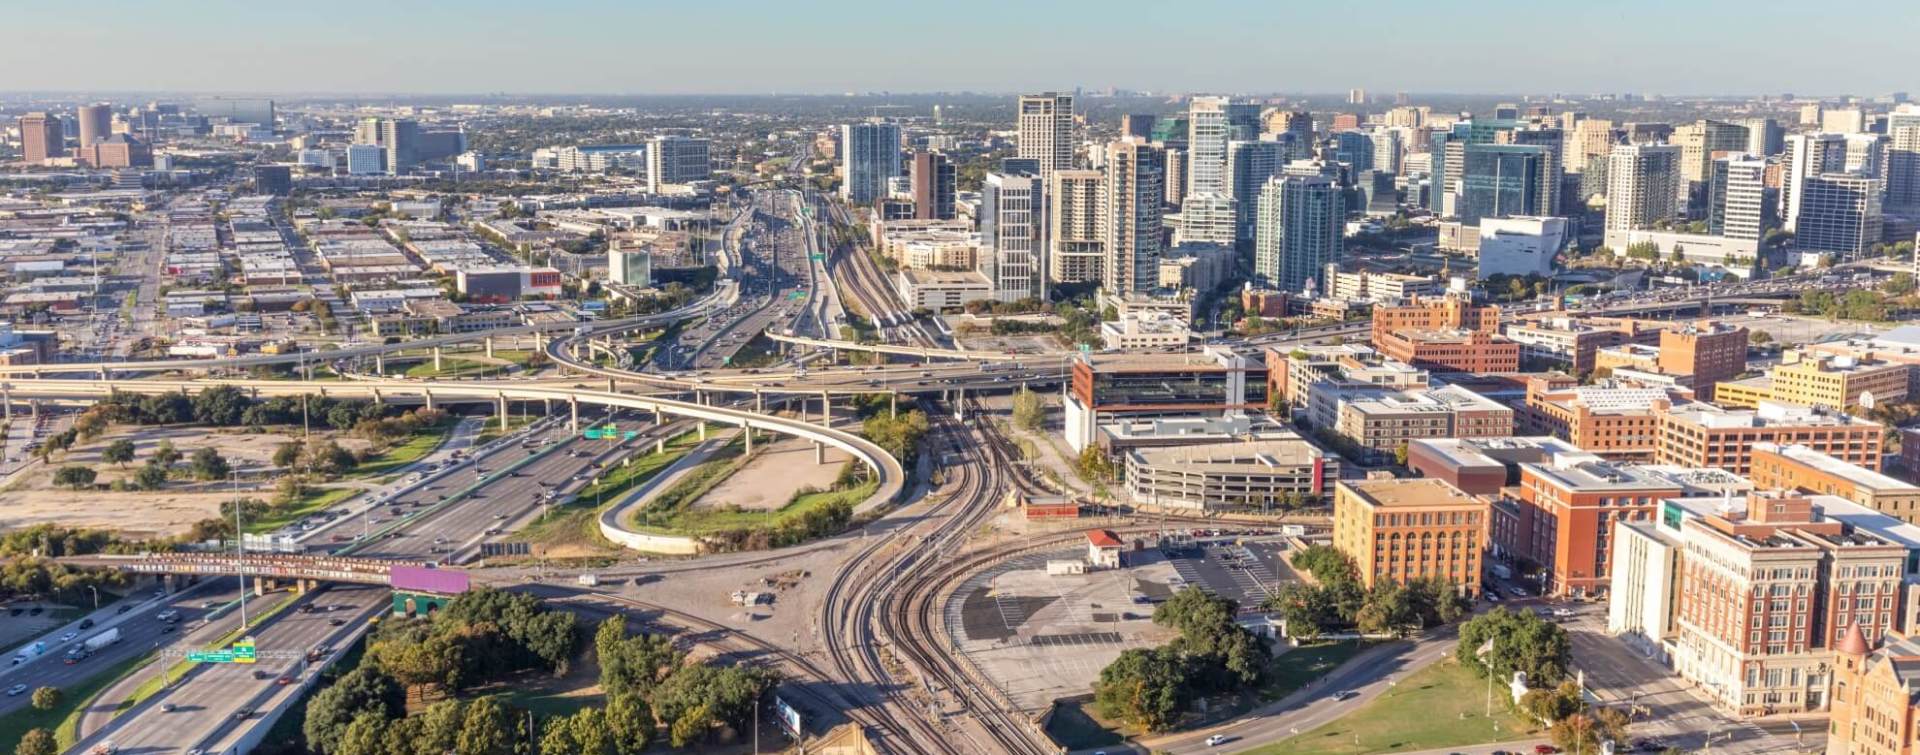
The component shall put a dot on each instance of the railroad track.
(861, 610)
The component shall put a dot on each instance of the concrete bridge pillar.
(747, 431)
(376, 396)
(573, 408)
(539, 341)
(503, 412)
(33, 408)
(305, 586)
(660, 445)
(703, 429)
(167, 584)
(826, 409)
(380, 364)
(429, 396)
(546, 406)
(610, 386)
(262, 585)
(103, 374)
(893, 404)
(659, 418)
(36, 374)
(489, 342)
(759, 402)
(436, 359)
(819, 452)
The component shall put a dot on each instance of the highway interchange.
(445, 518)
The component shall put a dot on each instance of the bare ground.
(33, 499)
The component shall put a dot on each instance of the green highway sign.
(241, 652)
(817, 257)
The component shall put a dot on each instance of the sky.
(1678, 47)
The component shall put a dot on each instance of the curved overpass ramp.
(886, 468)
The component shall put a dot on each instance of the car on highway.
(1216, 740)
(69, 636)
(336, 622)
(1516, 591)
(243, 714)
(1344, 695)
(168, 707)
(86, 624)
(16, 690)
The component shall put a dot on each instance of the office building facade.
(869, 158)
(1132, 221)
(1046, 130)
(1298, 230)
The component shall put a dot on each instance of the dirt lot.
(770, 479)
(32, 498)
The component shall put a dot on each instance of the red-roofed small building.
(1103, 549)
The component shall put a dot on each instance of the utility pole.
(239, 547)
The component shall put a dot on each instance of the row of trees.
(1151, 687)
(1337, 601)
(1858, 304)
(481, 636)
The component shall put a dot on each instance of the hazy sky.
(832, 46)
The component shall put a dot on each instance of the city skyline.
(834, 48)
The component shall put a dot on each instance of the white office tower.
(1131, 205)
(1213, 122)
(1249, 165)
(1387, 147)
(1807, 155)
(677, 160)
(1356, 96)
(1641, 181)
(1903, 160)
(1046, 130)
(1520, 245)
(1736, 197)
(1299, 231)
(1075, 252)
(1839, 214)
(1012, 213)
(630, 267)
(1764, 136)
(1207, 219)
(1866, 154)
(869, 157)
(1847, 121)
(366, 159)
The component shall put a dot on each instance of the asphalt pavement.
(139, 634)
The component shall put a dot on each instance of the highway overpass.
(888, 470)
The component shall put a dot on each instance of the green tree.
(207, 464)
(287, 454)
(1576, 733)
(486, 730)
(76, 477)
(438, 727)
(1029, 411)
(1400, 454)
(632, 723)
(365, 689)
(118, 452)
(1521, 641)
(37, 741)
(1095, 466)
(1389, 609)
(1759, 337)
(1143, 687)
(165, 454)
(46, 698)
(366, 735)
(711, 694)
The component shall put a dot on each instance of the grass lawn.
(1442, 705)
(402, 454)
(73, 698)
(625, 476)
(709, 521)
(1292, 670)
(315, 500)
(453, 367)
(577, 524)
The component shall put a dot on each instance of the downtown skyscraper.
(1299, 231)
(1046, 130)
(1130, 201)
(869, 156)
